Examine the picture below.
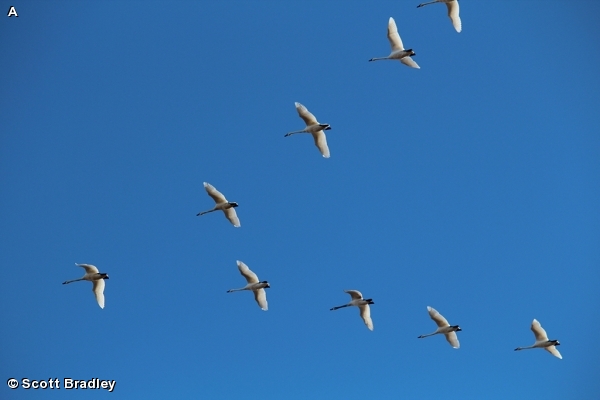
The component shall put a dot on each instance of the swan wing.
(306, 115)
(453, 10)
(538, 331)
(260, 296)
(98, 290)
(365, 314)
(245, 271)
(321, 143)
(89, 269)
(552, 350)
(393, 36)
(437, 317)
(409, 62)
(232, 216)
(214, 193)
(355, 294)
(452, 338)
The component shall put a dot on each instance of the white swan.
(541, 340)
(314, 128)
(398, 52)
(443, 327)
(97, 278)
(453, 10)
(253, 284)
(362, 304)
(221, 204)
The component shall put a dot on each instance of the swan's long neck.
(335, 308)
(74, 280)
(379, 58)
(294, 132)
(205, 212)
(524, 348)
(430, 2)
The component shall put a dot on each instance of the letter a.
(12, 11)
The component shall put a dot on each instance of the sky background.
(471, 185)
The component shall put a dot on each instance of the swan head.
(103, 276)
(370, 301)
(233, 204)
(456, 328)
(411, 52)
(266, 284)
(554, 342)
(325, 127)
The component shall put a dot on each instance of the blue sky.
(470, 185)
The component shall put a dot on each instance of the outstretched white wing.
(355, 294)
(98, 290)
(232, 216)
(437, 317)
(410, 62)
(365, 314)
(321, 143)
(260, 296)
(393, 36)
(89, 269)
(306, 115)
(453, 10)
(452, 338)
(552, 350)
(214, 193)
(538, 331)
(245, 271)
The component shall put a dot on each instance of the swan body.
(398, 51)
(453, 10)
(362, 304)
(314, 128)
(443, 327)
(541, 340)
(254, 284)
(221, 204)
(97, 279)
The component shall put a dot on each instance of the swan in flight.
(97, 278)
(541, 340)
(314, 128)
(398, 52)
(362, 304)
(222, 204)
(453, 10)
(254, 284)
(443, 327)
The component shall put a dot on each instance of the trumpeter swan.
(254, 284)
(314, 128)
(398, 52)
(221, 204)
(453, 9)
(97, 278)
(443, 327)
(541, 340)
(362, 304)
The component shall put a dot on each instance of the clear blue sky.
(471, 185)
